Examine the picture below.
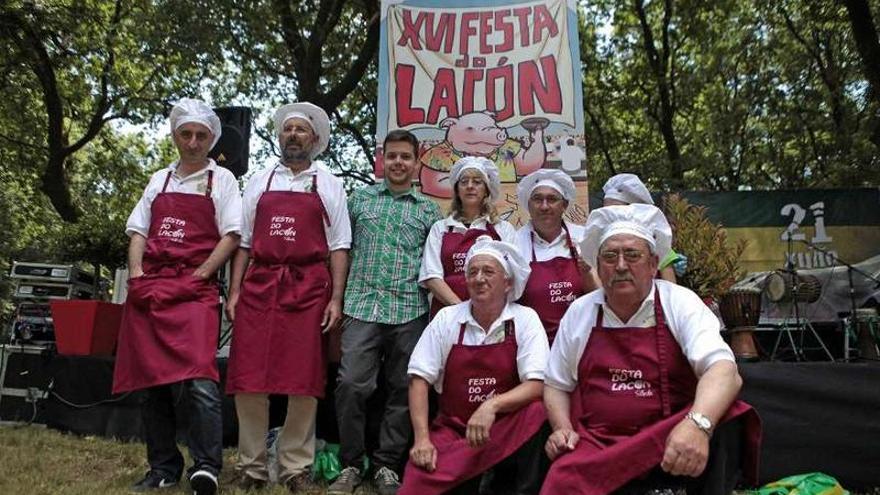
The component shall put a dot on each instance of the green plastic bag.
(802, 484)
(327, 466)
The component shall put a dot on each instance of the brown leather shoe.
(347, 482)
(301, 483)
(247, 483)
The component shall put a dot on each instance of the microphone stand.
(852, 290)
(801, 325)
(223, 337)
(788, 267)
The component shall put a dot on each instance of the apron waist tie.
(290, 270)
(169, 269)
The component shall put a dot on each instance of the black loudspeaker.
(24, 382)
(232, 150)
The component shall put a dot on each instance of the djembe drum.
(867, 332)
(785, 286)
(741, 310)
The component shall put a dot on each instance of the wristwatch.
(702, 422)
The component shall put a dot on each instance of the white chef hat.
(627, 188)
(314, 115)
(644, 221)
(515, 266)
(552, 178)
(191, 110)
(482, 165)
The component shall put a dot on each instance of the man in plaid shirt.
(386, 311)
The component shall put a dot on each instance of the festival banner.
(498, 79)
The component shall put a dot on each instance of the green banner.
(804, 207)
(822, 224)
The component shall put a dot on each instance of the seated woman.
(559, 275)
(485, 357)
(476, 187)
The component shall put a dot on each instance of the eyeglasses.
(629, 255)
(472, 181)
(550, 200)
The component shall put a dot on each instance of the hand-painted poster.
(498, 79)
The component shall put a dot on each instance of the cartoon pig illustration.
(478, 134)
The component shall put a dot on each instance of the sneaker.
(386, 481)
(247, 483)
(153, 481)
(300, 483)
(347, 482)
(203, 483)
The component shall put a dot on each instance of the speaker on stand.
(233, 148)
(231, 152)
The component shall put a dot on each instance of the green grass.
(36, 461)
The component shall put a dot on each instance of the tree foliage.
(730, 94)
(76, 66)
(689, 94)
(323, 52)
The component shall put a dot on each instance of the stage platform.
(817, 416)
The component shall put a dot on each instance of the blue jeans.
(199, 402)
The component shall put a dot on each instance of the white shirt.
(224, 193)
(330, 190)
(547, 250)
(428, 359)
(432, 266)
(691, 323)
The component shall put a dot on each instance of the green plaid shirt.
(388, 237)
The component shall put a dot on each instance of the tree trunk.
(659, 64)
(601, 141)
(865, 35)
(55, 185)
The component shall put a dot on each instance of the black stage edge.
(817, 416)
(80, 402)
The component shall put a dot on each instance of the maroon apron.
(634, 387)
(552, 286)
(453, 252)
(277, 345)
(171, 320)
(473, 375)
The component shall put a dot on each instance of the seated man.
(639, 375)
(627, 189)
(486, 358)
